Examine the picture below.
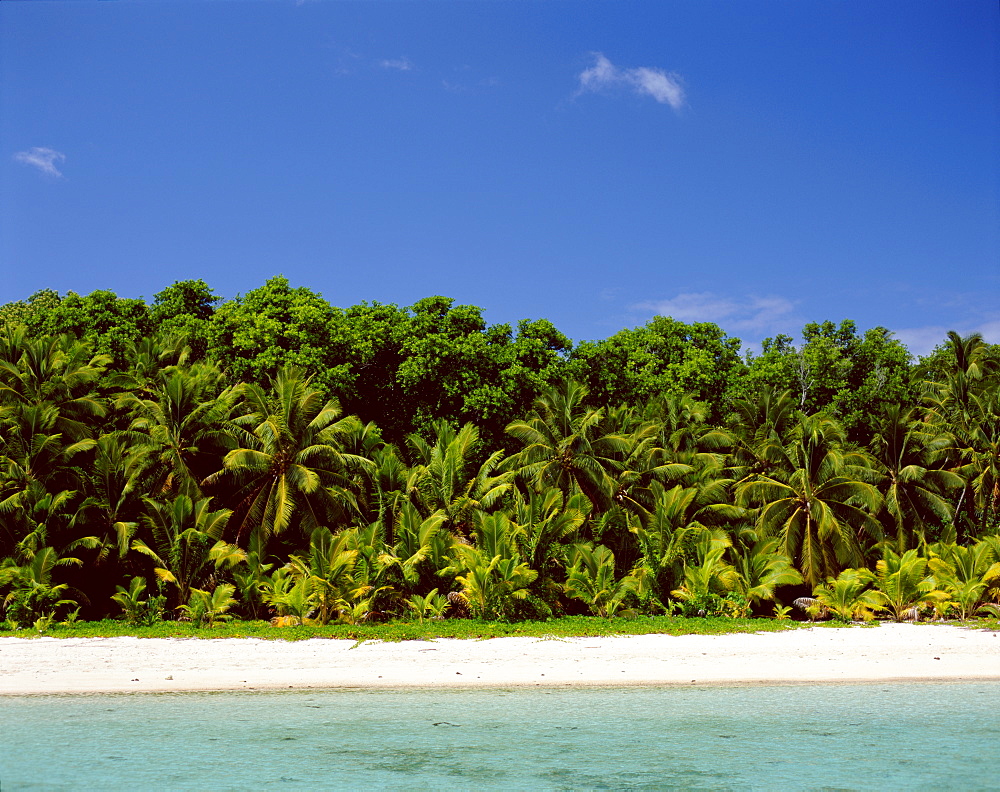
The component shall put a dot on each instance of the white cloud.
(922, 340)
(399, 64)
(750, 314)
(990, 331)
(44, 159)
(466, 84)
(601, 74)
(663, 86)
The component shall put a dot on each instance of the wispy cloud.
(663, 86)
(466, 83)
(752, 314)
(44, 159)
(922, 340)
(398, 64)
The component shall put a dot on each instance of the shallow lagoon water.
(872, 736)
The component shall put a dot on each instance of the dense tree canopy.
(665, 357)
(275, 454)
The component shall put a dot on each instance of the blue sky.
(756, 164)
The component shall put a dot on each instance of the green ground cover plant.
(570, 626)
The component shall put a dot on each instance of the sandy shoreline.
(889, 652)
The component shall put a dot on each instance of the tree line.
(276, 456)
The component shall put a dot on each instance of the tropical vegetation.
(276, 457)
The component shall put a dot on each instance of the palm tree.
(759, 428)
(544, 522)
(818, 500)
(207, 607)
(292, 597)
(962, 405)
(250, 578)
(641, 459)
(186, 542)
(329, 567)
(491, 586)
(137, 607)
(966, 573)
(32, 594)
(181, 430)
(423, 549)
(914, 489)
(848, 595)
(432, 604)
(35, 454)
(56, 371)
(290, 469)
(982, 470)
(147, 360)
(709, 575)
(444, 479)
(564, 446)
(683, 431)
(967, 369)
(669, 533)
(591, 579)
(762, 568)
(46, 407)
(35, 517)
(902, 583)
(113, 503)
(493, 575)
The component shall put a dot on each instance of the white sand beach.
(895, 652)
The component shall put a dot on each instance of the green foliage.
(444, 476)
(493, 576)
(818, 499)
(185, 543)
(663, 357)
(290, 596)
(669, 533)
(849, 597)
(916, 492)
(835, 371)
(707, 604)
(902, 584)
(564, 446)
(362, 464)
(761, 569)
(205, 608)
(329, 568)
(878, 380)
(431, 629)
(432, 605)
(112, 325)
(31, 592)
(181, 429)
(967, 575)
(290, 468)
(185, 309)
(42, 623)
(258, 334)
(962, 404)
(591, 579)
(711, 586)
(139, 609)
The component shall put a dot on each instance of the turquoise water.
(876, 736)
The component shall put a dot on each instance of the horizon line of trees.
(276, 456)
